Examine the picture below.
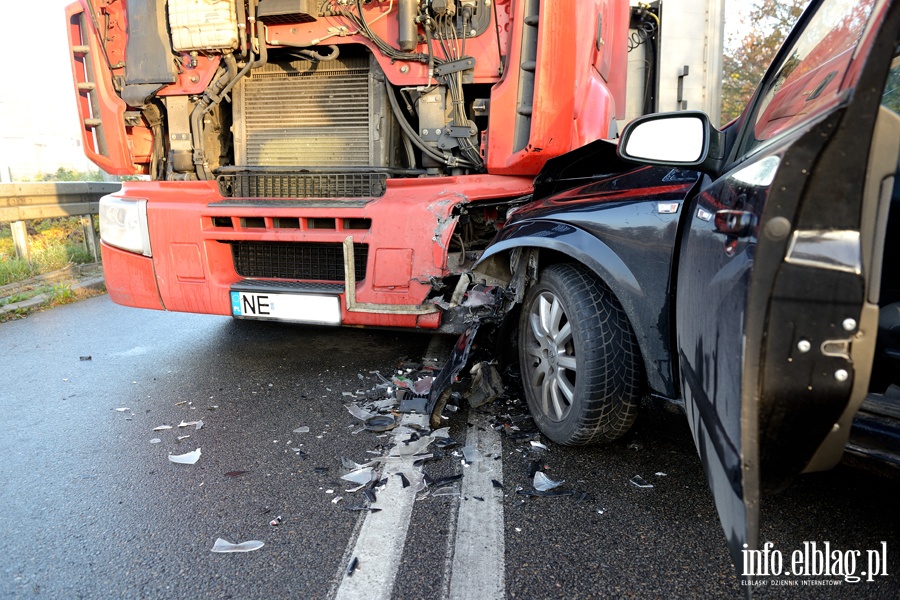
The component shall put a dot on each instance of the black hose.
(414, 137)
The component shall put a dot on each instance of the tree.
(746, 60)
(68, 174)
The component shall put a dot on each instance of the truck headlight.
(123, 224)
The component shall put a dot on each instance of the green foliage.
(891, 96)
(67, 174)
(746, 61)
(53, 244)
(61, 293)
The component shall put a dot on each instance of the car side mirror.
(683, 139)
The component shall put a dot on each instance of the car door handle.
(738, 223)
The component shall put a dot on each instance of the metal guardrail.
(20, 202)
(26, 201)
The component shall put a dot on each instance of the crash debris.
(224, 546)
(186, 459)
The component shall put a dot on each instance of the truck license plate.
(297, 308)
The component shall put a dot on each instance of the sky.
(37, 99)
(37, 95)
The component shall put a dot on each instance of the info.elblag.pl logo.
(812, 564)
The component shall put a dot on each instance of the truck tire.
(581, 365)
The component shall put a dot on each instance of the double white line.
(477, 564)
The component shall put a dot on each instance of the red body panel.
(193, 269)
(129, 278)
(578, 87)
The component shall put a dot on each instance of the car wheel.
(581, 366)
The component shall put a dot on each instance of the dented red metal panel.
(193, 269)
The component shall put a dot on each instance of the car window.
(809, 79)
(890, 98)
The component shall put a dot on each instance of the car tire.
(581, 365)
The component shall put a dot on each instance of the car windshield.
(810, 76)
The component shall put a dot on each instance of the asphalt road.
(90, 508)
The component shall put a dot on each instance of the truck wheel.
(581, 366)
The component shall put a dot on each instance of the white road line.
(479, 562)
(477, 568)
(382, 537)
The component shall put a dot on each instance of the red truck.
(329, 161)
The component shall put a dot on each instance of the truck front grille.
(303, 185)
(296, 260)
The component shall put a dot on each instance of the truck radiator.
(292, 116)
(296, 260)
(302, 185)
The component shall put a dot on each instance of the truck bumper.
(378, 256)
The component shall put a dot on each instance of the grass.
(53, 243)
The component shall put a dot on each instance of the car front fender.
(647, 310)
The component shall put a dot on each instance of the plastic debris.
(442, 481)
(539, 445)
(353, 466)
(123, 409)
(476, 298)
(416, 481)
(660, 474)
(226, 546)
(440, 388)
(449, 490)
(354, 562)
(337, 499)
(303, 429)
(359, 413)
(486, 384)
(542, 483)
(422, 386)
(361, 508)
(236, 473)
(186, 459)
(276, 521)
(196, 424)
(380, 423)
(84, 358)
(182, 437)
(638, 481)
(360, 476)
(446, 443)
(496, 484)
(162, 428)
(155, 441)
(547, 494)
(403, 480)
(413, 448)
(472, 455)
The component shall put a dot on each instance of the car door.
(775, 315)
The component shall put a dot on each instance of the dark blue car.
(748, 274)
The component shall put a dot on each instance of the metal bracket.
(383, 309)
(455, 66)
